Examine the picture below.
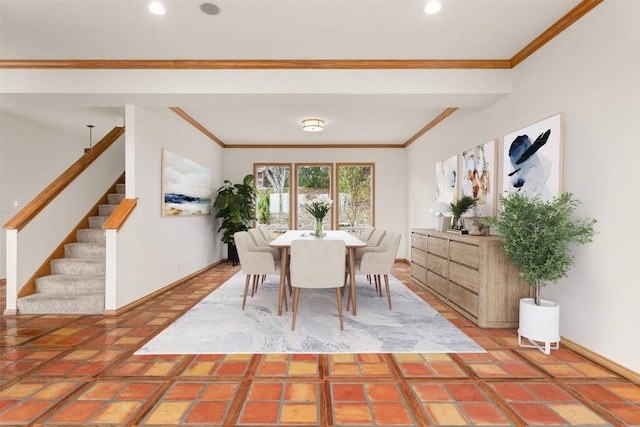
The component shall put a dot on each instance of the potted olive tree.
(236, 206)
(537, 237)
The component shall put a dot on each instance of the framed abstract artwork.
(447, 179)
(186, 186)
(478, 176)
(532, 159)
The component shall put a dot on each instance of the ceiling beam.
(562, 24)
(266, 64)
(446, 113)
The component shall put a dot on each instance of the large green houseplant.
(537, 237)
(235, 204)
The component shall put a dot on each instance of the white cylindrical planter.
(539, 323)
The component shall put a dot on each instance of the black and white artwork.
(532, 159)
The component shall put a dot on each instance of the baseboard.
(152, 295)
(607, 363)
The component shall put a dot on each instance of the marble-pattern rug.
(217, 324)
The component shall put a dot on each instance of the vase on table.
(318, 231)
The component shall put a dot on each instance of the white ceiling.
(275, 30)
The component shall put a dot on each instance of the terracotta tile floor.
(80, 371)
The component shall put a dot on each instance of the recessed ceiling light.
(209, 8)
(157, 8)
(432, 7)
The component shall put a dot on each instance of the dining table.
(283, 243)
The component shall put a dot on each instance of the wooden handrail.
(120, 214)
(22, 218)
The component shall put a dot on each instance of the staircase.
(76, 284)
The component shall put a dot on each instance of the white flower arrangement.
(319, 206)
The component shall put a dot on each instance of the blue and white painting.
(186, 186)
(532, 159)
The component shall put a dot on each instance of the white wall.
(389, 175)
(33, 155)
(155, 251)
(591, 73)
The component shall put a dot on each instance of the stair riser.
(96, 222)
(77, 304)
(115, 199)
(85, 250)
(55, 284)
(87, 235)
(121, 188)
(75, 266)
(106, 210)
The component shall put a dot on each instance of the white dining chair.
(366, 234)
(255, 261)
(317, 264)
(377, 262)
(259, 240)
(372, 242)
(266, 233)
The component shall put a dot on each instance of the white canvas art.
(478, 176)
(447, 179)
(532, 159)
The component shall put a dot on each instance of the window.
(312, 180)
(355, 197)
(352, 190)
(273, 182)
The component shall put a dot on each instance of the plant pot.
(232, 254)
(539, 324)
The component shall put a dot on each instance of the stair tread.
(82, 259)
(63, 295)
(79, 276)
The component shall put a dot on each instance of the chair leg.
(256, 280)
(376, 281)
(289, 282)
(246, 289)
(386, 286)
(286, 304)
(296, 296)
(339, 298)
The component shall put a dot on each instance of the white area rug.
(217, 324)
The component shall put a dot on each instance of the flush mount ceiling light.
(312, 125)
(432, 7)
(157, 8)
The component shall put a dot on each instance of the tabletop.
(285, 239)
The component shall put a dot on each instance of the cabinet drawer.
(464, 253)
(464, 299)
(419, 241)
(436, 245)
(437, 283)
(464, 276)
(419, 273)
(438, 265)
(419, 257)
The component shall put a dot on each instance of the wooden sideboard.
(470, 273)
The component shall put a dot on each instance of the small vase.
(318, 227)
(456, 223)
